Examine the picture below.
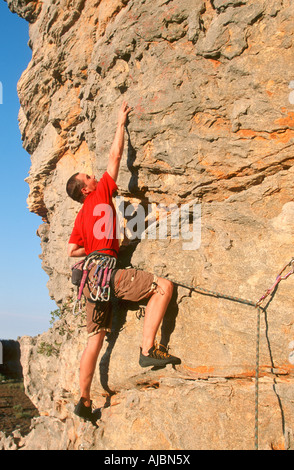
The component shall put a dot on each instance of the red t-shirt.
(95, 224)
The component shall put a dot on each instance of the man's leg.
(99, 319)
(154, 313)
(150, 355)
(88, 365)
(136, 285)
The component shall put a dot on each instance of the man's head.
(80, 185)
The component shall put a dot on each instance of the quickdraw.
(99, 285)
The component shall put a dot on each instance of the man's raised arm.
(117, 147)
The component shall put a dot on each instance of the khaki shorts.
(128, 284)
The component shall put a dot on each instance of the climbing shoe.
(84, 412)
(158, 357)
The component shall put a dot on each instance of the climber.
(128, 284)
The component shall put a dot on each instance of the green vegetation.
(20, 413)
(49, 349)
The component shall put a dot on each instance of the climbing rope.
(281, 276)
(257, 378)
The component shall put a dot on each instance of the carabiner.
(74, 307)
(96, 297)
(105, 298)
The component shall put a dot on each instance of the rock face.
(213, 123)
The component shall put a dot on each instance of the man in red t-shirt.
(95, 225)
(95, 230)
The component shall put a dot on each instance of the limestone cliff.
(213, 123)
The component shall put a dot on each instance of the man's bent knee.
(166, 287)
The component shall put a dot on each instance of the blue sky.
(25, 304)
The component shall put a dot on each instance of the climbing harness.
(99, 285)
(281, 276)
